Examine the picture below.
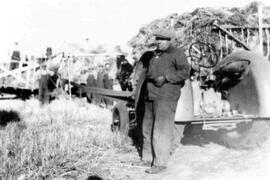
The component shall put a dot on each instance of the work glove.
(157, 81)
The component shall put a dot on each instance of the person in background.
(92, 82)
(49, 52)
(124, 70)
(15, 57)
(44, 78)
(108, 83)
(100, 84)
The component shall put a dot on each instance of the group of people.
(102, 79)
(101, 76)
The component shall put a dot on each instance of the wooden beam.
(243, 27)
(267, 43)
(7, 73)
(220, 44)
(260, 19)
(231, 36)
(15, 71)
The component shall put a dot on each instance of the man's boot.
(156, 169)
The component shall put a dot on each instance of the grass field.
(65, 139)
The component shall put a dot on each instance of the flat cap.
(163, 34)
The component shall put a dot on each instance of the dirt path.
(213, 162)
(192, 162)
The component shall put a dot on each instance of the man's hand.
(157, 81)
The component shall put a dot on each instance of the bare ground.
(210, 162)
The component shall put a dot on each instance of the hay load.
(221, 76)
(190, 27)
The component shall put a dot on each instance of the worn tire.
(120, 118)
(247, 135)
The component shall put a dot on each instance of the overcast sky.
(36, 24)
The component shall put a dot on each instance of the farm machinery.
(225, 100)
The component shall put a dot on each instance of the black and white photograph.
(135, 90)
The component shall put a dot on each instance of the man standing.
(124, 70)
(44, 78)
(100, 84)
(165, 72)
(92, 82)
(108, 83)
(15, 58)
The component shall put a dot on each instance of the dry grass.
(68, 139)
(73, 140)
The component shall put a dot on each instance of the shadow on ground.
(195, 135)
(94, 178)
(244, 135)
(8, 116)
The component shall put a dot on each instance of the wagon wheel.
(120, 119)
(203, 54)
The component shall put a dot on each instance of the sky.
(37, 24)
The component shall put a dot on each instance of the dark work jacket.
(174, 66)
(100, 78)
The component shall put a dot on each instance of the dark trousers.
(43, 89)
(108, 84)
(92, 82)
(100, 84)
(158, 128)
